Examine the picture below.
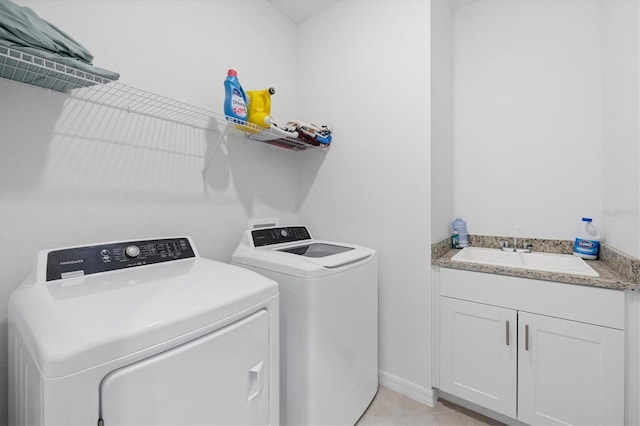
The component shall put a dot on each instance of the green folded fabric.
(21, 29)
(24, 27)
(71, 62)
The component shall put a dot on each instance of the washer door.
(220, 378)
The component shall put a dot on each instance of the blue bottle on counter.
(461, 226)
(235, 99)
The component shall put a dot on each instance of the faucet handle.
(505, 246)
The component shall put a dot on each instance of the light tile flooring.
(390, 408)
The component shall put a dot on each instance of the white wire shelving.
(37, 71)
(33, 70)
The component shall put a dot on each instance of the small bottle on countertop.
(461, 226)
(455, 240)
(587, 244)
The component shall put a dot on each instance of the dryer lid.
(77, 323)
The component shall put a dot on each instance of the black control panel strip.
(88, 260)
(288, 234)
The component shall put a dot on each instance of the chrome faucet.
(526, 247)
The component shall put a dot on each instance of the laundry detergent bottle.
(260, 107)
(235, 99)
(587, 244)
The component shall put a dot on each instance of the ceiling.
(299, 11)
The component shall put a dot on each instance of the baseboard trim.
(410, 390)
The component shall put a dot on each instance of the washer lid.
(317, 250)
(326, 258)
(77, 323)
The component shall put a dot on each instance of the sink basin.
(549, 262)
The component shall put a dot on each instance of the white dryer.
(328, 322)
(140, 333)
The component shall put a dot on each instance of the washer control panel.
(269, 236)
(78, 261)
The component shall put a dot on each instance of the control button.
(284, 233)
(132, 251)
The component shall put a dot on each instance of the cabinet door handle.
(526, 337)
(507, 332)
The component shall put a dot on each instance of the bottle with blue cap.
(459, 226)
(235, 100)
(587, 244)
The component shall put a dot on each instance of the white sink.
(549, 262)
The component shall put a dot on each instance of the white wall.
(441, 120)
(73, 174)
(621, 112)
(364, 69)
(527, 116)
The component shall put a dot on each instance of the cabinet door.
(478, 354)
(569, 373)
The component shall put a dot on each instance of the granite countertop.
(608, 277)
(620, 278)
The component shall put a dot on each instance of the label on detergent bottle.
(237, 104)
(586, 247)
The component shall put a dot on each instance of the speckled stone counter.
(609, 277)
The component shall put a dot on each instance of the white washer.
(328, 322)
(142, 332)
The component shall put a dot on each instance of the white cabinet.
(569, 372)
(478, 354)
(540, 352)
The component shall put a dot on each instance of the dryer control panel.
(287, 234)
(78, 261)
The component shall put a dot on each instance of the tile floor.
(390, 408)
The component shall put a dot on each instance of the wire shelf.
(33, 70)
(37, 71)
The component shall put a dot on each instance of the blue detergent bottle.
(235, 99)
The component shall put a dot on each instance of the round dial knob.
(284, 232)
(132, 251)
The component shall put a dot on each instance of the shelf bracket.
(223, 134)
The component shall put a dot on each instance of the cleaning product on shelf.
(455, 240)
(587, 244)
(310, 133)
(235, 100)
(274, 132)
(260, 107)
(460, 226)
